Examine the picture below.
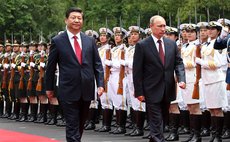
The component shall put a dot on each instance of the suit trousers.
(157, 114)
(75, 113)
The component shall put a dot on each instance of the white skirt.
(187, 94)
(215, 95)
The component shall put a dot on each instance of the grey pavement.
(58, 133)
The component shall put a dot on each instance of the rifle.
(195, 93)
(22, 73)
(41, 73)
(12, 73)
(29, 84)
(107, 69)
(5, 73)
(121, 74)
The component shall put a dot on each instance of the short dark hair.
(73, 9)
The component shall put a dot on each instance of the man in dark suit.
(155, 60)
(79, 65)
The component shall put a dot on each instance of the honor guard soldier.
(14, 82)
(5, 80)
(223, 42)
(214, 87)
(115, 84)
(188, 55)
(106, 98)
(137, 106)
(93, 108)
(40, 63)
(21, 65)
(1, 68)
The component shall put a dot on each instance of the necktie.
(77, 49)
(161, 52)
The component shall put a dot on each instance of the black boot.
(134, 122)
(8, 109)
(1, 107)
(226, 134)
(107, 119)
(33, 114)
(206, 123)
(53, 113)
(140, 119)
(174, 124)
(91, 119)
(60, 118)
(15, 114)
(185, 122)
(42, 116)
(117, 122)
(219, 126)
(24, 108)
(122, 122)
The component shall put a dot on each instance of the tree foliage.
(32, 18)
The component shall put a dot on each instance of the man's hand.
(182, 85)
(141, 98)
(100, 91)
(50, 94)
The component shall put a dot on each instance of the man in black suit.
(79, 65)
(156, 59)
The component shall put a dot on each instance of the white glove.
(108, 62)
(198, 61)
(6, 66)
(23, 64)
(13, 65)
(223, 33)
(123, 63)
(42, 64)
(32, 64)
(0, 65)
(6, 55)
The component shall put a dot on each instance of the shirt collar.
(70, 35)
(155, 39)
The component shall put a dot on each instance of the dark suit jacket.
(152, 79)
(75, 80)
(221, 44)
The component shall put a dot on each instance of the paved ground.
(58, 133)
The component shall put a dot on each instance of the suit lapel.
(154, 49)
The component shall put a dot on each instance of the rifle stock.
(5, 74)
(22, 73)
(29, 84)
(41, 75)
(195, 93)
(107, 69)
(121, 74)
(12, 73)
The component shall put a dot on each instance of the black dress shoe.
(130, 132)
(184, 131)
(148, 136)
(105, 129)
(90, 126)
(115, 129)
(172, 137)
(205, 133)
(137, 132)
(226, 134)
(61, 123)
(120, 130)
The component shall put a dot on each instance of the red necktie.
(77, 49)
(161, 52)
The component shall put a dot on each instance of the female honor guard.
(106, 98)
(119, 99)
(188, 55)
(213, 78)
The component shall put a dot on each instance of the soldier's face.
(203, 33)
(74, 22)
(8, 48)
(118, 38)
(103, 38)
(184, 34)
(213, 33)
(135, 37)
(16, 49)
(172, 37)
(191, 35)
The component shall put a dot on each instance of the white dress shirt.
(71, 39)
(157, 44)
